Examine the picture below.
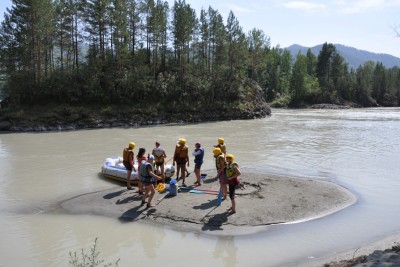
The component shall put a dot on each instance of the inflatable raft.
(114, 169)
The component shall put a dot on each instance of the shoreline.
(74, 118)
(375, 252)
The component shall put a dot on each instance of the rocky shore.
(79, 118)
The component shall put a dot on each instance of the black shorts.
(197, 166)
(232, 191)
(128, 166)
(181, 161)
(159, 163)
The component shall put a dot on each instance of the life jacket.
(181, 154)
(125, 154)
(198, 159)
(230, 169)
(144, 172)
(158, 153)
(222, 147)
(218, 163)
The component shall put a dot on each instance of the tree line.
(142, 52)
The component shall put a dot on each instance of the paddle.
(202, 192)
(161, 199)
(219, 199)
(199, 189)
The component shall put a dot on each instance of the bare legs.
(197, 173)
(128, 180)
(149, 189)
(182, 168)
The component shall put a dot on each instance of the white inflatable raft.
(114, 169)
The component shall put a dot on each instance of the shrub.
(90, 259)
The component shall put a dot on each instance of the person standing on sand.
(128, 156)
(159, 159)
(140, 157)
(181, 157)
(232, 175)
(149, 178)
(221, 144)
(220, 165)
(198, 154)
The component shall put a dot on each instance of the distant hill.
(353, 56)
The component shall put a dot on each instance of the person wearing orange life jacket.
(128, 156)
(232, 175)
(220, 165)
(221, 144)
(159, 159)
(181, 157)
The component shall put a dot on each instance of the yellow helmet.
(230, 156)
(132, 145)
(182, 141)
(217, 151)
(220, 140)
(161, 187)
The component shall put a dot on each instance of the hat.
(151, 157)
(220, 140)
(182, 141)
(230, 156)
(217, 151)
(131, 145)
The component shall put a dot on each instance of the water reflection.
(226, 250)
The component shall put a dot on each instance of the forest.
(147, 53)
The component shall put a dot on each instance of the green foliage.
(146, 54)
(297, 83)
(282, 101)
(89, 259)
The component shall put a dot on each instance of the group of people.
(152, 168)
(146, 172)
(228, 172)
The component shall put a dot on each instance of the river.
(357, 148)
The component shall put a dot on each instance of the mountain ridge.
(354, 56)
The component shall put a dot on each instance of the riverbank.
(382, 252)
(262, 200)
(71, 118)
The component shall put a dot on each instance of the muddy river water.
(357, 148)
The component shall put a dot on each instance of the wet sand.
(262, 199)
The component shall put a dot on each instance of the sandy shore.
(262, 199)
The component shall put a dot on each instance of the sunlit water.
(358, 149)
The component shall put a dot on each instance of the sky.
(363, 24)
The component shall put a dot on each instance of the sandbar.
(262, 199)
